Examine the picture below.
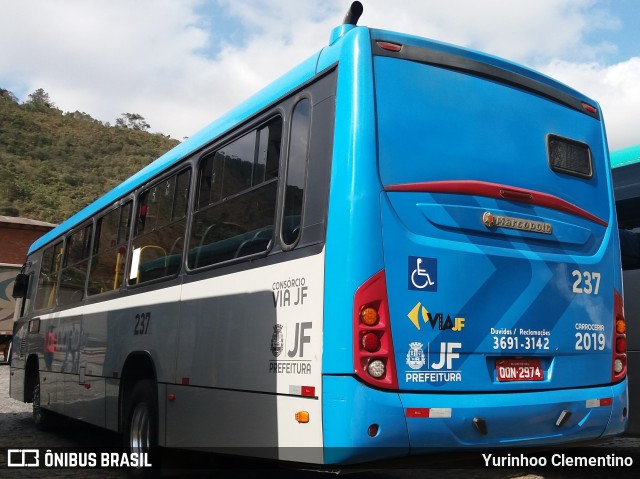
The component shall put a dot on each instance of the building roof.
(25, 223)
(625, 156)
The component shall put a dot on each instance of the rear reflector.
(307, 391)
(591, 403)
(423, 412)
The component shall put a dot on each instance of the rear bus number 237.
(142, 324)
(585, 282)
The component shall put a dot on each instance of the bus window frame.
(306, 94)
(180, 167)
(59, 241)
(65, 258)
(118, 205)
(253, 124)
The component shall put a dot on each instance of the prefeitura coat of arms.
(277, 340)
(415, 356)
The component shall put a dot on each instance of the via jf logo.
(423, 274)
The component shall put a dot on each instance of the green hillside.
(53, 163)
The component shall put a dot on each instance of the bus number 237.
(142, 323)
(586, 282)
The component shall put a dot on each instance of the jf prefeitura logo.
(440, 361)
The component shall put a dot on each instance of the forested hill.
(52, 164)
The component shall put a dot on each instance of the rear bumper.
(411, 423)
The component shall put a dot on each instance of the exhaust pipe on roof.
(353, 15)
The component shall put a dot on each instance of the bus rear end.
(496, 318)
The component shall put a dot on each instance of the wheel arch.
(31, 376)
(139, 366)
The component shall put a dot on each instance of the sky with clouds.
(182, 63)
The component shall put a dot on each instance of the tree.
(7, 95)
(9, 211)
(134, 121)
(40, 99)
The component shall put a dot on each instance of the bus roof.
(625, 156)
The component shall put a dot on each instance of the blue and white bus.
(400, 247)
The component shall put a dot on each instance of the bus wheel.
(141, 420)
(41, 417)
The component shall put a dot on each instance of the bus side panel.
(141, 323)
(250, 350)
(52, 376)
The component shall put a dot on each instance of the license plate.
(519, 370)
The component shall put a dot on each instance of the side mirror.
(20, 285)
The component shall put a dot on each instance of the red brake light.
(370, 342)
(391, 47)
(373, 358)
(619, 354)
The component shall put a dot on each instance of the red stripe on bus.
(495, 190)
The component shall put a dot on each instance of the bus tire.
(141, 420)
(41, 417)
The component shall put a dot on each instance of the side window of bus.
(24, 305)
(48, 277)
(74, 266)
(158, 242)
(236, 198)
(296, 172)
(110, 250)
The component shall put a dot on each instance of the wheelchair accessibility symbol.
(423, 274)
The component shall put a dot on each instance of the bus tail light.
(374, 362)
(389, 46)
(370, 342)
(619, 344)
